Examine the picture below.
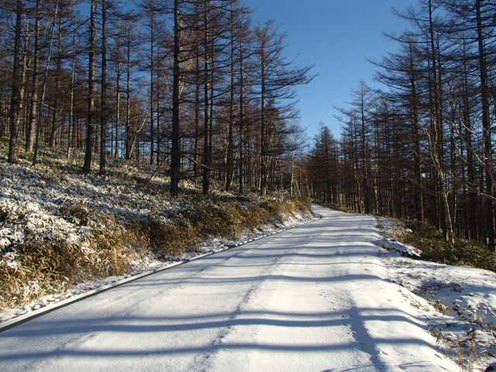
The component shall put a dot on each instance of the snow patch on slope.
(402, 249)
(462, 299)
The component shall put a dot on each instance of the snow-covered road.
(313, 298)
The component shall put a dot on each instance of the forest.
(419, 145)
(169, 200)
(197, 89)
(188, 85)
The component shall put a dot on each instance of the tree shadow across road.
(24, 344)
(355, 318)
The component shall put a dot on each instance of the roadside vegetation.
(431, 241)
(59, 227)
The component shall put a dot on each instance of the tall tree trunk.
(176, 137)
(472, 200)
(15, 103)
(91, 95)
(157, 110)
(22, 111)
(152, 79)
(103, 94)
(211, 105)
(41, 101)
(56, 108)
(263, 170)
(117, 138)
(230, 136)
(438, 133)
(206, 112)
(486, 126)
(33, 114)
(241, 118)
(419, 200)
(128, 94)
(197, 98)
(71, 138)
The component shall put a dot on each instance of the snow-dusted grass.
(144, 266)
(464, 299)
(430, 241)
(59, 227)
(314, 298)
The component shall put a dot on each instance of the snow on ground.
(395, 246)
(32, 199)
(314, 298)
(391, 230)
(54, 203)
(324, 296)
(150, 264)
(464, 299)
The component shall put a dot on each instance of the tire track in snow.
(203, 362)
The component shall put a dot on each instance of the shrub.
(79, 214)
(45, 265)
(42, 267)
(434, 247)
(170, 239)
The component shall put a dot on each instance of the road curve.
(314, 298)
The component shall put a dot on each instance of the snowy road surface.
(314, 298)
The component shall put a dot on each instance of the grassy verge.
(59, 227)
(110, 247)
(434, 247)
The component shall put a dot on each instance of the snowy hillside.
(59, 228)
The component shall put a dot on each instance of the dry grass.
(48, 266)
(113, 231)
(169, 239)
(434, 247)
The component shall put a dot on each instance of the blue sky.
(337, 36)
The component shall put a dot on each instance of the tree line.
(191, 86)
(421, 145)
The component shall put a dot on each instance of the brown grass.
(434, 247)
(48, 266)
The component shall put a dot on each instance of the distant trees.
(421, 147)
(274, 79)
(187, 85)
